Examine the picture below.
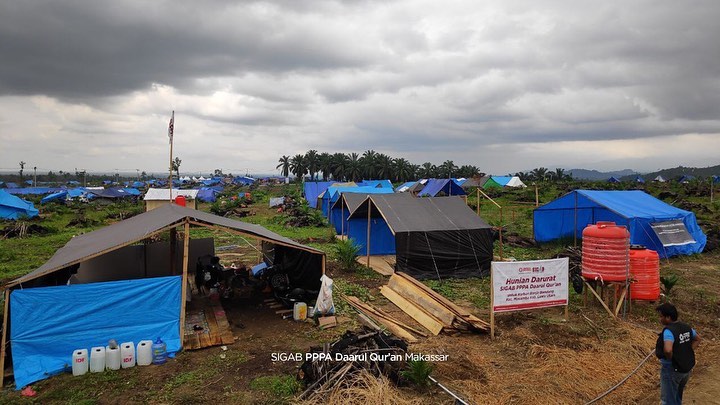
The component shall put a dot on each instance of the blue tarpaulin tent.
(61, 196)
(62, 319)
(243, 180)
(312, 189)
(613, 179)
(376, 183)
(340, 212)
(207, 194)
(33, 190)
(634, 209)
(440, 187)
(12, 207)
(405, 186)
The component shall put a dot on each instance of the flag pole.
(170, 135)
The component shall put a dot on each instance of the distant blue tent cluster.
(243, 181)
(207, 194)
(376, 184)
(33, 190)
(634, 209)
(312, 189)
(441, 187)
(12, 207)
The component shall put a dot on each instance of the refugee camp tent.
(312, 189)
(124, 292)
(495, 182)
(13, 207)
(434, 237)
(405, 187)
(475, 182)
(686, 178)
(515, 182)
(243, 180)
(60, 196)
(339, 211)
(376, 183)
(637, 210)
(111, 193)
(156, 197)
(639, 180)
(207, 194)
(11, 185)
(330, 194)
(441, 187)
(33, 190)
(659, 179)
(613, 179)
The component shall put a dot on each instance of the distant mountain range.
(584, 174)
(629, 175)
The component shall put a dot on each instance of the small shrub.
(669, 282)
(418, 372)
(345, 252)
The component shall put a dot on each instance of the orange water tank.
(605, 247)
(180, 200)
(645, 270)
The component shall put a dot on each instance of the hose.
(614, 387)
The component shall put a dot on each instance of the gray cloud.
(482, 83)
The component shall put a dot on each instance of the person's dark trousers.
(672, 385)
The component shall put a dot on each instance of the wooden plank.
(226, 335)
(284, 311)
(410, 292)
(327, 322)
(213, 335)
(378, 264)
(428, 321)
(441, 299)
(592, 290)
(183, 298)
(4, 337)
(381, 315)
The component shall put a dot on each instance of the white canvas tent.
(515, 182)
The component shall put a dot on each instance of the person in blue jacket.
(676, 350)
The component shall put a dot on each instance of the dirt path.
(704, 385)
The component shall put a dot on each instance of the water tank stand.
(611, 295)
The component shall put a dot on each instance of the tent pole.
(4, 338)
(501, 229)
(183, 298)
(323, 264)
(478, 201)
(537, 197)
(173, 242)
(575, 223)
(342, 217)
(367, 246)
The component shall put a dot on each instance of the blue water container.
(159, 352)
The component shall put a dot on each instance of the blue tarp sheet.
(434, 187)
(382, 241)
(336, 214)
(12, 207)
(49, 323)
(634, 209)
(61, 196)
(33, 190)
(405, 186)
(312, 189)
(376, 183)
(502, 180)
(207, 194)
(244, 180)
(132, 191)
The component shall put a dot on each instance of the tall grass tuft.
(345, 252)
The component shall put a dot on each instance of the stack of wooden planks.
(205, 327)
(371, 316)
(433, 311)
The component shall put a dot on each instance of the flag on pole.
(170, 127)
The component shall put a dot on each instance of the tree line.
(369, 165)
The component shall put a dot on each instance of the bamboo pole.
(478, 201)
(537, 196)
(575, 222)
(183, 299)
(173, 242)
(367, 245)
(3, 353)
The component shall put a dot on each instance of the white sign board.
(533, 284)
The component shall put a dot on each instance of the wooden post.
(537, 198)
(492, 304)
(324, 259)
(575, 223)
(478, 201)
(4, 338)
(342, 218)
(367, 245)
(183, 299)
(466, 199)
(173, 242)
(501, 229)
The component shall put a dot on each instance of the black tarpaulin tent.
(436, 237)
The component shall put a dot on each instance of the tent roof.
(376, 183)
(403, 213)
(626, 203)
(515, 182)
(405, 186)
(435, 186)
(161, 194)
(142, 226)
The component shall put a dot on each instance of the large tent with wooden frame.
(340, 208)
(433, 237)
(124, 291)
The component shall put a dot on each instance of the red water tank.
(180, 200)
(605, 249)
(645, 270)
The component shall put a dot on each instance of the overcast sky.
(503, 85)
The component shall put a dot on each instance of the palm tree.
(339, 166)
(369, 163)
(298, 166)
(403, 169)
(325, 165)
(539, 174)
(384, 166)
(468, 171)
(448, 168)
(427, 170)
(312, 163)
(559, 174)
(284, 165)
(354, 167)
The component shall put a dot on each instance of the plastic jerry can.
(112, 358)
(144, 353)
(127, 353)
(159, 352)
(80, 362)
(300, 311)
(97, 359)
